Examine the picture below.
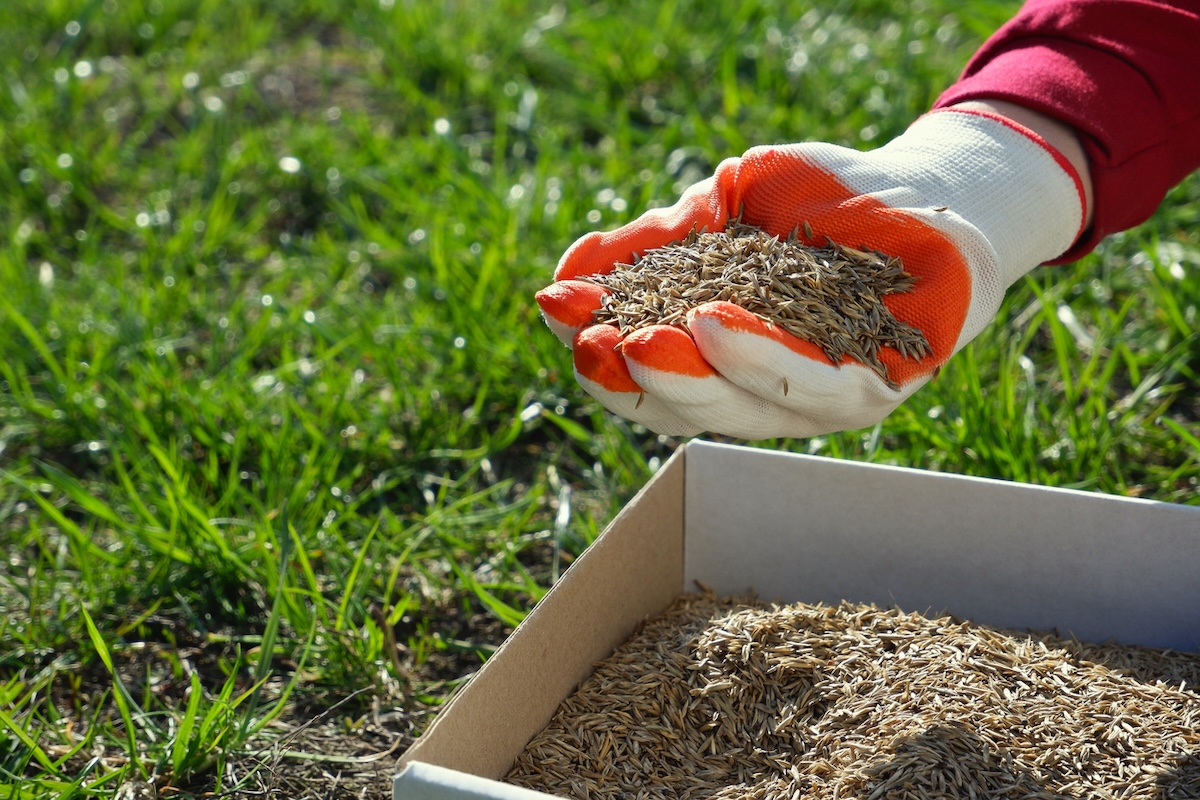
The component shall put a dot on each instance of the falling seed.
(641, 397)
(785, 386)
(831, 296)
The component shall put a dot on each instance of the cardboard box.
(799, 528)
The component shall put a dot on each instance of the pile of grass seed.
(831, 296)
(732, 698)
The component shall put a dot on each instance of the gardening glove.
(968, 201)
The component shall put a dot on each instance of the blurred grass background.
(279, 423)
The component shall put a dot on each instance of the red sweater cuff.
(1123, 75)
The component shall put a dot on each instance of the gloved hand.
(969, 202)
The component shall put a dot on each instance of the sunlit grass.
(278, 419)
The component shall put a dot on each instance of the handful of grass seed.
(831, 296)
(726, 698)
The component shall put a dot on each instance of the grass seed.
(727, 698)
(831, 296)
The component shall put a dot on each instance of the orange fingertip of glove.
(665, 348)
(597, 352)
(590, 255)
(570, 303)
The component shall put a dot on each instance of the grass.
(282, 436)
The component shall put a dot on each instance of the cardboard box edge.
(421, 781)
(621, 542)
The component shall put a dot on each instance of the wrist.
(1058, 135)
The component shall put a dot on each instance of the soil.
(325, 743)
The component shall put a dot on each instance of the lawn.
(285, 448)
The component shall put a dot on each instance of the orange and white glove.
(968, 201)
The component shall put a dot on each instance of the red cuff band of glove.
(1054, 152)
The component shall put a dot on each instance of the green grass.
(279, 423)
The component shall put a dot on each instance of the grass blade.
(120, 694)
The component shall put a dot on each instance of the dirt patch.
(325, 743)
(326, 757)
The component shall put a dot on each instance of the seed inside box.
(730, 697)
(831, 296)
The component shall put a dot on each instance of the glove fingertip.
(666, 348)
(598, 358)
(571, 302)
(591, 254)
(569, 306)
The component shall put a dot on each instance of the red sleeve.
(1124, 73)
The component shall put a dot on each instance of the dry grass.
(731, 698)
(831, 296)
